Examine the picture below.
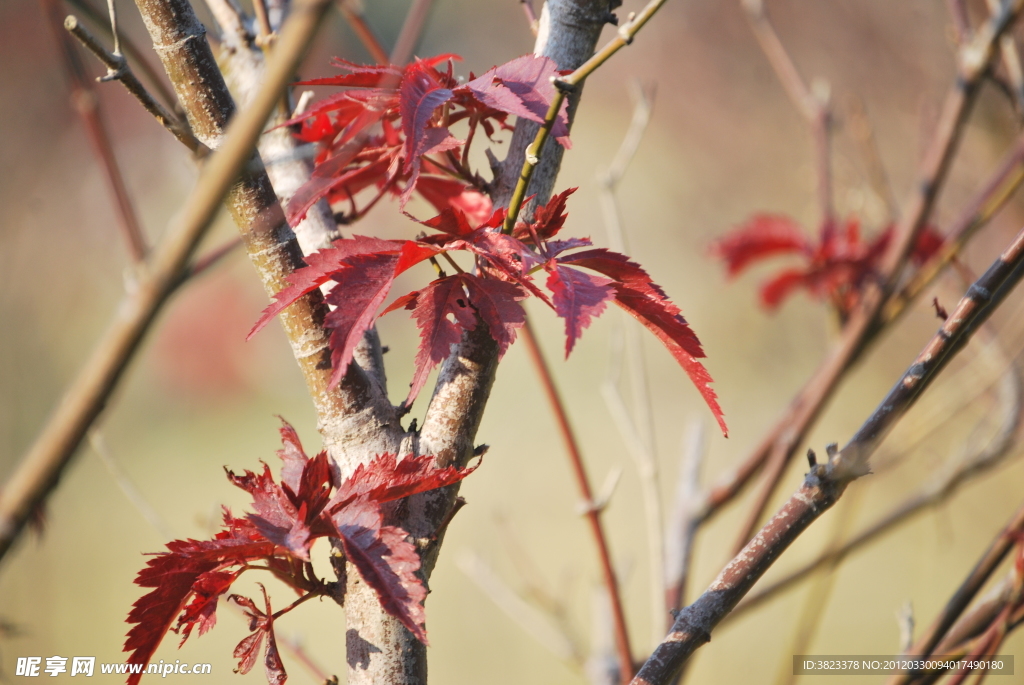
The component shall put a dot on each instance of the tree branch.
(826, 482)
(783, 440)
(40, 469)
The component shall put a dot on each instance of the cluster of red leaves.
(310, 502)
(834, 268)
(363, 270)
(414, 107)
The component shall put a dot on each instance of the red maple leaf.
(261, 623)
(310, 503)
(835, 268)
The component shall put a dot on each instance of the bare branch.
(592, 512)
(783, 440)
(529, 618)
(412, 30)
(531, 16)
(132, 51)
(826, 482)
(812, 102)
(38, 472)
(118, 69)
(943, 486)
(683, 523)
(638, 436)
(352, 10)
(86, 104)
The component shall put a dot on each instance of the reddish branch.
(593, 509)
(826, 482)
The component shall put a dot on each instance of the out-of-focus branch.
(683, 523)
(826, 482)
(38, 472)
(130, 49)
(979, 575)
(636, 427)
(529, 618)
(412, 30)
(121, 71)
(86, 104)
(531, 16)
(992, 196)
(784, 438)
(813, 103)
(352, 10)
(592, 510)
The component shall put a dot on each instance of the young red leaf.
(320, 268)
(386, 479)
(421, 95)
(497, 303)
(293, 456)
(261, 624)
(762, 236)
(547, 220)
(522, 87)
(173, 574)
(446, 192)
(578, 298)
(442, 313)
(385, 560)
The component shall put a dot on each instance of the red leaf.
(578, 298)
(446, 192)
(293, 456)
(497, 303)
(646, 301)
(421, 95)
(247, 651)
(522, 87)
(764, 235)
(386, 479)
(547, 220)
(385, 560)
(442, 313)
(173, 574)
(673, 331)
(320, 267)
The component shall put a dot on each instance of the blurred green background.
(724, 143)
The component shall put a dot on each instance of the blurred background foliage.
(724, 143)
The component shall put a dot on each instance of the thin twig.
(637, 432)
(979, 575)
(939, 490)
(826, 482)
(412, 30)
(783, 440)
(118, 69)
(961, 26)
(352, 10)
(533, 621)
(592, 512)
(38, 472)
(86, 104)
(564, 86)
(131, 50)
(683, 524)
(101, 450)
(813, 103)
